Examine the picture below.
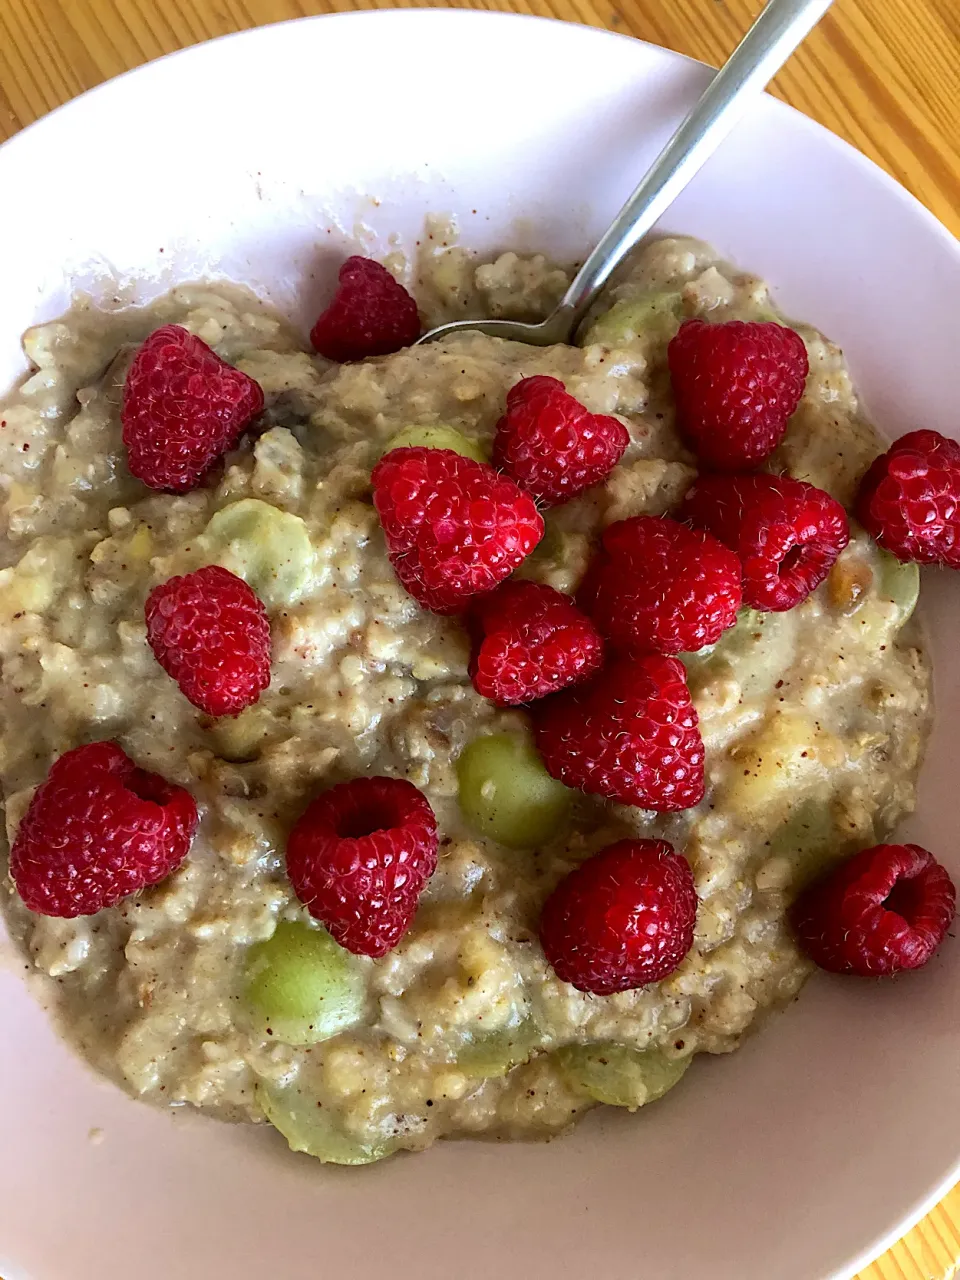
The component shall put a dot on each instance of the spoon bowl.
(559, 326)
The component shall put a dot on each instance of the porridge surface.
(813, 720)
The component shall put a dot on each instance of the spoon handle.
(778, 30)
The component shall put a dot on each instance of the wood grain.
(885, 74)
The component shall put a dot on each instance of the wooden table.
(884, 74)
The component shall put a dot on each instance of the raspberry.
(358, 860)
(736, 386)
(454, 527)
(622, 919)
(370, 315)
(210, 632)
(786, 532)
(98, 829)
(182, 408)
(910, 499)
(551, 445)
(533, 641)
(630, 735)
(885, 910)
(657, 586)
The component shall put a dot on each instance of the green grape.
(889, 603)
(753, 312)
(507, 794)
(695, 658)
(313, 1128)
(765, 315)
(303, 985)
(268, 548)
(756, 650)
(437, 437)
(899, 584)
(735, 641)
(492, 1055)
(619, 1075)
(655, 314)
(811, 841)
(742, 636)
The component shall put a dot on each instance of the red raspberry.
(630, 735)
(736, 386)
(371, 314)
(551, 445)
(910, 499)
(786, 532)
(622, 919)
(657, 586)
(454, 527)
(887, 909)
(533, 641)
(209, 631)
(358, 860)
(182, 408)
(98, 829)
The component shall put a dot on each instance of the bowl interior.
(803, 1153)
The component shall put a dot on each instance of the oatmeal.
(813, 720)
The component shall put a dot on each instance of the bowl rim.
(466, 17)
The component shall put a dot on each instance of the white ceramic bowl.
(262, 157)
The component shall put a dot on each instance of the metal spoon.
(779, 29)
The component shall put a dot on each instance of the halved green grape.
(757, 650)
(507, 794)
(493, 1055)
(695, 658)
(619, 1075)
(560, 558)
(313, 1128)
(303, 985)
(437, 437)
(811, 841)
(900, 584)
(737, 640)
(268, 548)
(756, 313)
(745, 632)
(889, 603)
(655, 314)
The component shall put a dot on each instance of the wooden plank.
(884, 74)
